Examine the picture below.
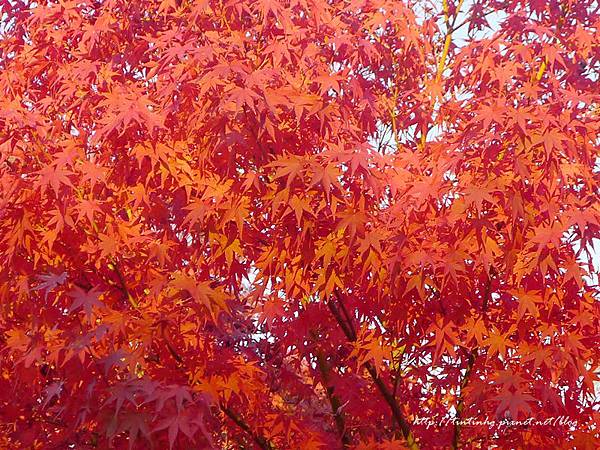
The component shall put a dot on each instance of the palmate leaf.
(50, 281)
(298, 224)
(85, 300)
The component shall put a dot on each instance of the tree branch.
(472, 356)
(114, 265)
(334, 400)
(261, 441)
(348, 329)
(461, 401)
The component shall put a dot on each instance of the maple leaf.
(326, 176)
(445, 340)
(135, 424)
(515, 402)
(202, 293)
(548, 235)
(86, 300)
(370, 348)
(527, 303)
(231, 250)
(124, 391)
(290, 167)
(51, 391)
(182, 421)
(476, 329)
(299, 206)
(416, 185)
(108, 245)
(498, 343)
(488, 114)
(49, 281)
(87, 208)
(197, 209)
(326, 250)
(352, 221)
(539, 356)
(17, 340)
(55, 176)
(118, 358)
(477, 195)
(92, 172)
(242, 97)
(179, 394)
(552, 140)
(207, 386)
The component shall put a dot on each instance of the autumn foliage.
(299, 224)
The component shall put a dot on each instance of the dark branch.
(261, 441)
(472, 356)
(334, 401)
(348, 328)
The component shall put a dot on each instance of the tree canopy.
(299, 224)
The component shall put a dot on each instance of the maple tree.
(298, 224)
